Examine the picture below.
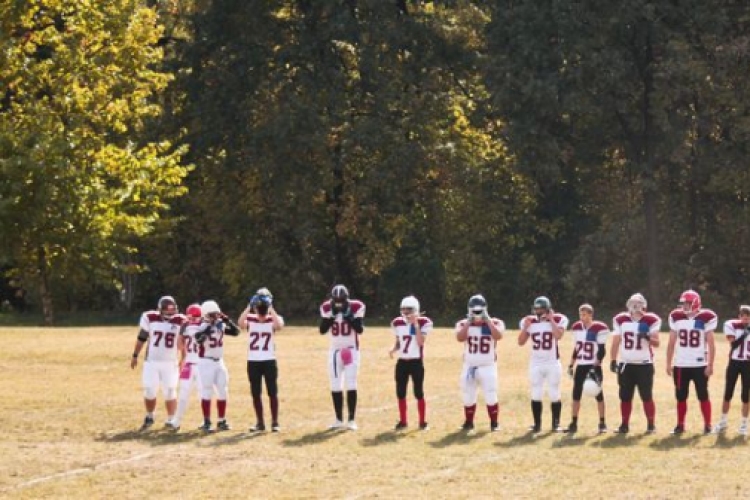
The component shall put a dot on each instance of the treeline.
(582, 150)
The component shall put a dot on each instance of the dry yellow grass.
(71, 407)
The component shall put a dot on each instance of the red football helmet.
(194, 311)
(690, 301)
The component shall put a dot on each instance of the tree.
(80, 83)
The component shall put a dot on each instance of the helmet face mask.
(340, 296)
(167, 306)
(477, 306)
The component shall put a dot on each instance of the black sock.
(575, 420)
(338, 405)
(556, 410)
(536, 410)
(351, 403)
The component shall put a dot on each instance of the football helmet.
(636, 304)
(194, 311)
(340, 296)
(744, 309)
(690, 301)
(591, 387)
(411, 304)
(167, 306)
(264, 292)
(477, 306)
(210, 307)
(541, 303)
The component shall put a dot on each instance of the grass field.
(71, 408)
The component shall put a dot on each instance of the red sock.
(206, 407)
(492, 411)
(221, 408)
(706, 411)
(649, 408)
(625, 409)
(681, 412)
(422, 408)
(469, 413)
(402, 410)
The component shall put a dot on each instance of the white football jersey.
(632, 348)
(734, 328)
(406, 335)
(479, 346)
(191, 345)
(341, 334)
(588, 340)
(213, 346)
(544, 346)
(691, 349)
(261, 339)
(162, 335)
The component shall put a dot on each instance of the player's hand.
(709, 370)
(570, 371)
(486, 316)
(391, 352)
(133, 362)
(526, 323)
(669, 370)
(613, 366)
(645, 336)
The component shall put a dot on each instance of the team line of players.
(197, 338)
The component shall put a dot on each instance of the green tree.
(80, 82)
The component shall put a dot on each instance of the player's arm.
(497, 334)
(181, 348)
(355, 321)
(711, 344)
(523, 335)
(278, 323)
(601, 352)
(557, 329)
(140, 340)
(242, 320)
(615, 351)
(395, 348)
(230, 327)
(462, 332)
(418, 333)
(670, 350)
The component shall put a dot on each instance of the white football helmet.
(167, 306)
(591, 387)
(477, 306)
(210, 307)
(636, 304)
(411, 303)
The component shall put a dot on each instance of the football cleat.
(572, 428)
(743, 429)
(623, 429)
(556, 426)
(494, 427)
(536, 429)
(424, 426)
(707, 429)
(206, 427)
(257, 428)
(147, 422)
(400, 426)
(720, 427)
(352, 425)
(275, 427)
(679, 429)
(222, 425)
(338, 424)
(172, 425)
(468, 426)
(650, 429)
(602, 428)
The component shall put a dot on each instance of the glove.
(202, 335)
(570, 371)
(613, 366)
(348, 315)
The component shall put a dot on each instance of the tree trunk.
(44, 289)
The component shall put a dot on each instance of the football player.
(344, 318)
(410, 330)
(737, 332)
(590, 348)
(213, 372)
(690, 355)
(188, 348)
(479, 333)
(159, 330)
(635, 333)
(544, 327)
(261, 322)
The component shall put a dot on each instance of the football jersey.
(632, 348)
(162, 335)
(191, 345)
(480, 347)
(587, 340)
(261, 340)
(544, 347)
(690, 348)
(735, 328)
(342, 334)
(213, 346)
(406, 335)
